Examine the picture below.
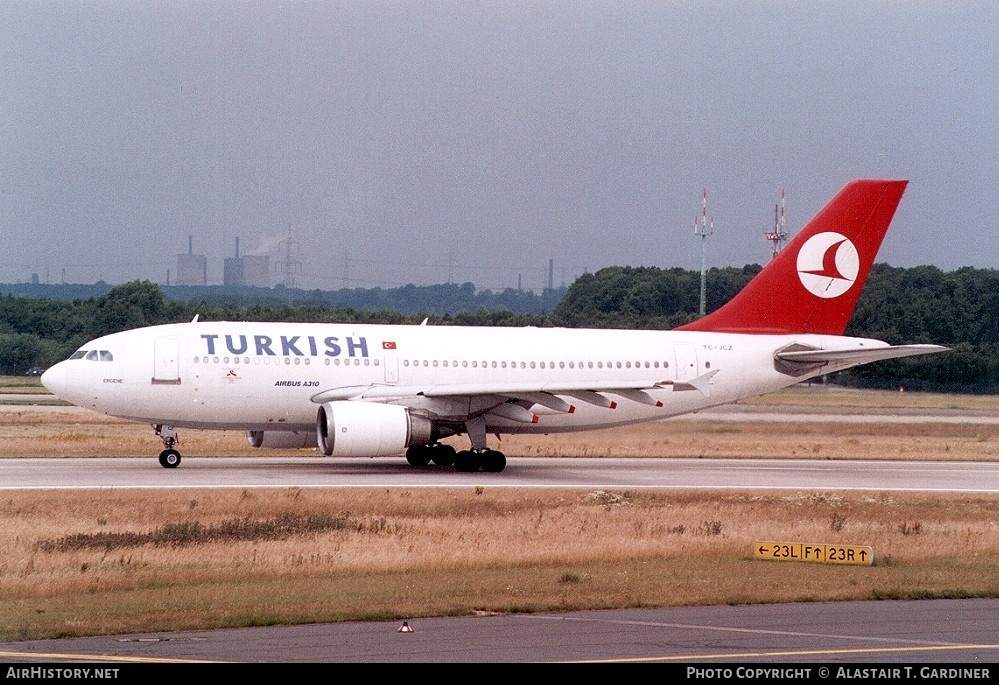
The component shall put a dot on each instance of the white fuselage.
(265, 376)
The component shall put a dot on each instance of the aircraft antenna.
(705, 229)
(778, 236)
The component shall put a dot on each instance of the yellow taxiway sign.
(806, 551)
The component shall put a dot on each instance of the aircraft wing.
(551, 395)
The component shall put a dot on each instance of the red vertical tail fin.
(812, 285)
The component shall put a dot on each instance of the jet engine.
(281, 439)
(365, 429)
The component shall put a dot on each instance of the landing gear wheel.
(170, 459)
(418, 455)
(493, 461)
(466, 461)
(442, 455)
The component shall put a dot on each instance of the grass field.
(21, 384)
(131, 561)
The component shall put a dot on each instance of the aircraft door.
(391, 362)
(166, 361)
(686, 362)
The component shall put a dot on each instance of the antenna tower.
(778, 236)
(289, 265)
(705, 229)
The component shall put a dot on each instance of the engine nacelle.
(281, 439)
(365, 429)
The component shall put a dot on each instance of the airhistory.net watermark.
(55, 673)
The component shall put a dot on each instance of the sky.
(398, 142)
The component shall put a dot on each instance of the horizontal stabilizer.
(857, 355)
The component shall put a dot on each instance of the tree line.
(445, 298)
(922, 304)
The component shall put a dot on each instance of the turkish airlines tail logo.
(828, 264)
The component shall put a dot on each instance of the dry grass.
(21, 384)
(403, 553)
(735, 440)
(411, 553)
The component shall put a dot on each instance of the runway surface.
(916, 634)
(525, 472)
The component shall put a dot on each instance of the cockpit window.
(92, 355)
(78, 354)
(106, 356)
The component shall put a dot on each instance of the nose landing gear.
(169, 457)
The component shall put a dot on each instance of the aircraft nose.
(54, 379)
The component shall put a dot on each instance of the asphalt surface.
(914, 633)
(521, 472)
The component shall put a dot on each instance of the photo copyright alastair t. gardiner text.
(840, 672)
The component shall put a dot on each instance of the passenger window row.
(475, 364)
(288, 361)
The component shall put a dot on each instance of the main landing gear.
(439, 453)
(490, 461)
(465, 461)
(169, 457)
(479, 458)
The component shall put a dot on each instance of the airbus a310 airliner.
(375, 390)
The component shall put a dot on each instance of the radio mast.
(704, 230)
(778, 236)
